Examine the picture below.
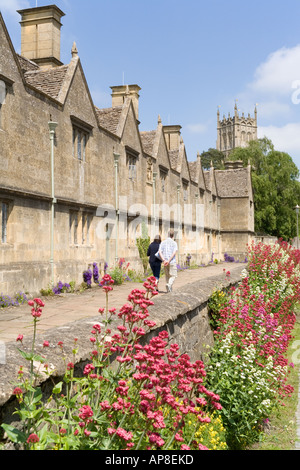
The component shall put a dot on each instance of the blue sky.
(189, 58)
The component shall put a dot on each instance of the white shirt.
(167, 248)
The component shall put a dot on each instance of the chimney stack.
(173, 136)
(40, 35)
(121, 92)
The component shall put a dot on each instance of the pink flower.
(202, 447)
(36, 312)
(87, 433)
(32, 439)
(86, 412)
(39, 302)
(127, 436)
(20, 338)
(185, 447)
(88, 369)
(46, 344)
(105, 405)
(97, 327)
(154, 438)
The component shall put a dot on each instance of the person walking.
(167, 252)
(154, 261)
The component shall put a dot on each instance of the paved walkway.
(66, 308)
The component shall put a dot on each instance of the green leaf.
(57, 388)
(14, 434)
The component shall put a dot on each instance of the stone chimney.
(172, 136)
(120, 93)
(233, 165)
(40, 35)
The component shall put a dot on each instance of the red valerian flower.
(32, 439)
(86, 412)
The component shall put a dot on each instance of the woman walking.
(155, 263)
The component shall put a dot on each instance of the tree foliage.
(214, 157)
(275, 186)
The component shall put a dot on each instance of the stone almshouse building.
(79, 183)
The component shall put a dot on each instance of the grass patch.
(281, 431)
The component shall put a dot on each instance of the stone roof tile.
(47, 81)
(232, 183)
(174, 157)
(193, 167)
(147, 138)
(109, 118)
(26, 64)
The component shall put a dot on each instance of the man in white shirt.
(167, 251)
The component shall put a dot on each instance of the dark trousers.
(155, 269)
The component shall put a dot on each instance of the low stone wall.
(183, 314)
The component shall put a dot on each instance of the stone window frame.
(131, 161)
(185, 189)
(4, 216)
(163, 173)
(8, 88)
(81, 133)
(80, 222)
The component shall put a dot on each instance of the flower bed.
(248, 366)
(150, 398)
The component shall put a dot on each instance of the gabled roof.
(47, 81)
(148, 140)
(193, 166)
(26, 64)
(109, 118)
(174, 158)
(233, 183)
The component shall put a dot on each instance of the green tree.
(213, 156)
(275, 186)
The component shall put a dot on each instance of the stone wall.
(183, 314)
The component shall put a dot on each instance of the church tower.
(235, 131)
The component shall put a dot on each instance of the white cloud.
(285, 138)
(269, 109)
(276, 89)
(274, 85)
(277, 74)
